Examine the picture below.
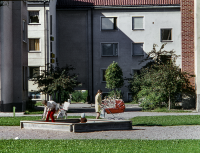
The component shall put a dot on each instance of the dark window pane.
(33, 16)
(109, 49)
(104, 73)
(166, 34)
(138, 49)
(34, 72)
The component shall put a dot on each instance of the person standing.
(98, 102)
(50, 106)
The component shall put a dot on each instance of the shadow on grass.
(148, 125)
(110, 130)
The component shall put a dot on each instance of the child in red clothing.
(51, 107)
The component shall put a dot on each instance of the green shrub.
(84, 94)
(117, 93)
(39, 104)
(160, 80)
(77, 96)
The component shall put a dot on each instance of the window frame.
(51, 24)
(117, 44)
(132, 71)
(25, 78)
(128, 93)
(29, 16)
(161, 35)
(24, 31)
(135, 29)
(36, 51)
(32, 92)
(114, 24)
(132, 49)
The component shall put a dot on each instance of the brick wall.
(187, 12)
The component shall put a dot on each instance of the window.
(137, 23)
(130, 97)
(108, 23)
(34, 72)
(166, 34)
(165, 58)
(103, 73)
(34, 44)
(25, 80)
(138, 49)
(34, 95)
(136, 71)
(109, 49)
(51, 46)
(50, 24)
(33, 16)
(24, 30)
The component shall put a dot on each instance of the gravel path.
(152, 133)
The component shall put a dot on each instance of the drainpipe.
(45, 54)
(92, 54)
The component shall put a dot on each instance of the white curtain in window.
(138, 23)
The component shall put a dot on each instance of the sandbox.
(74, 125)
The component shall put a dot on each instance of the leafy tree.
(117, 93)
(160, 79)
(114, 77)
(57, 80)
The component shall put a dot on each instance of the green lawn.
(136, 121)
(165, 110)
(15, 121)
(95, 146)
(166, 120)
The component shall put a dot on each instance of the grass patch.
(15, 121)
(136, 121)
(39, 103)
(168, 111)
(32, 111)
(166, 120)
(95, 145)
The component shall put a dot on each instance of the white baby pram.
(62, 111)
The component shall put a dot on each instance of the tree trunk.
(169, 102)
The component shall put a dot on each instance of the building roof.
(74, 3)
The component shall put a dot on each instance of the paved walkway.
(132, 110)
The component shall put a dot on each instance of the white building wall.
(154, 20)
(41, 30)
(38, 30)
